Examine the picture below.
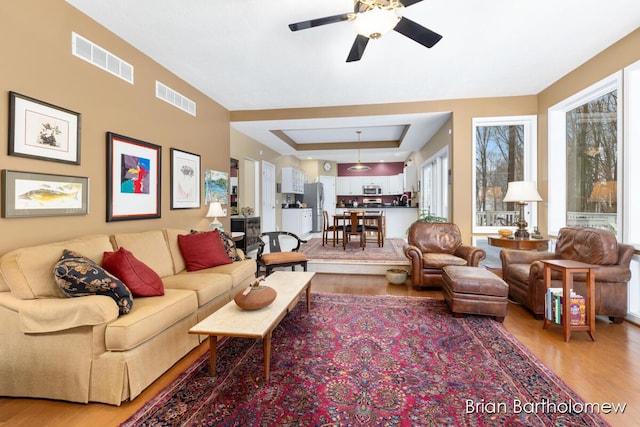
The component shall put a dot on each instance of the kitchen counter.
(398, 218)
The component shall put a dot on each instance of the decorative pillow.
(203, 250)
(229, 245)
(141, 279)
(79, 276)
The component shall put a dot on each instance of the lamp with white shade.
(215, 210)
(522, 192)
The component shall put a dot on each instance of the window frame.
(557, 149)
(530, 135)
(436, 169)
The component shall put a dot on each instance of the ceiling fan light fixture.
(378, 18)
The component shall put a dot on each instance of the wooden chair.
(354, 226)
(375, 226)
(328, 227)
(273, 256)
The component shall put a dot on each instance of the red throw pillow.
(141, 280)
(203, 250)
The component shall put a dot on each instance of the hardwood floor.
(605, 371)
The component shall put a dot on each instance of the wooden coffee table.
(232, 321)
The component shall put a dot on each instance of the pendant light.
(359, 167)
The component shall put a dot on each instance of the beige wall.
(37, 62)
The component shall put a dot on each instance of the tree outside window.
(592, 164)
(504, 151)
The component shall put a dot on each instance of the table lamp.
(522, 192)
(215, 210)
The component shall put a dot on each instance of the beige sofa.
(79, 349)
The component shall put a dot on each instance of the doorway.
(268, 196)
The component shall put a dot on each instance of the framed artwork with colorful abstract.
(28, 194)
(185, 180)
(133, 178)
(44, 131)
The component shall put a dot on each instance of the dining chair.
(327, 228)
(375, 226)
(353, 225)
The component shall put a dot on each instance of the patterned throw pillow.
(230, 246)
(79, 276)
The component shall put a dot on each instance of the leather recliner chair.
(524, 273)
(432, 246)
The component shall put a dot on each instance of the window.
(504, 150)
(435, 194)
(584, 153)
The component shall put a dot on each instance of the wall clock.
(326, 166)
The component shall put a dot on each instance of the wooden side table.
(568, 268)
(519, 243)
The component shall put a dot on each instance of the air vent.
(91, 52)
(169, 95)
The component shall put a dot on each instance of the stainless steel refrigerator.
(314, 198)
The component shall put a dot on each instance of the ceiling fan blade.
(319, 21)
(357, 49)
(417, 32)
(408, 3)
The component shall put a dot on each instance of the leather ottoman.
(474, 290)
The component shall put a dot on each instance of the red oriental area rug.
(372, 361)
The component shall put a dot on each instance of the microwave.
(371, 190)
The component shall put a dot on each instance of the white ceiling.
(242, 54)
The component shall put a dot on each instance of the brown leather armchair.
(523, 271)
(432, 246)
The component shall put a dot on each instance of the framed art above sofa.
(31, 194)
(133, 178)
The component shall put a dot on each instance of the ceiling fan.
(373, 19)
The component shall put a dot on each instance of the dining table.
(368, 216)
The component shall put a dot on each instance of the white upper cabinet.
(410, 179)
(292, 181)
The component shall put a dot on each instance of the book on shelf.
(577, 307)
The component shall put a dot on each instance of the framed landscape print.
(216, 185)
(133, 178)
(185, 180)
(43, 131)
(26, 194)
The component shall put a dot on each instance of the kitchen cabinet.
(250, 226)
(396, 184)
(410, 179)
(352, 185)
(297, 221)
(343, 185)
(292, 181)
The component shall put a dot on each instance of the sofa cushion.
(141, 280)
(207, 285)
(150, 247)
(79, 276)
(27, 271)
(590, 245)
(439, 260)
(242, 272)
(150, 317)
(203, 250)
